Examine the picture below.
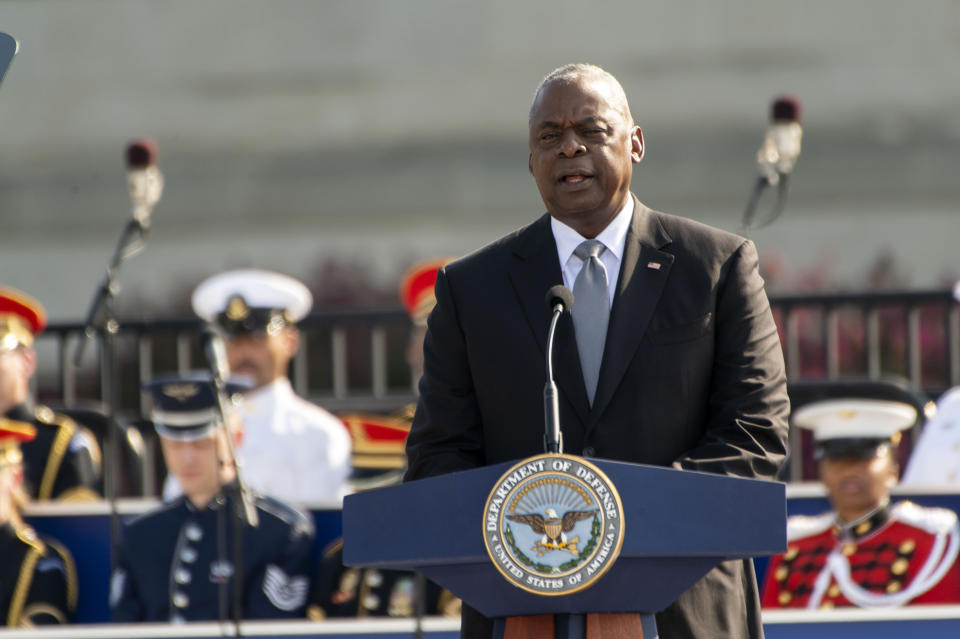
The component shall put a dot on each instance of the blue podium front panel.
(678, 525)
(667, 513)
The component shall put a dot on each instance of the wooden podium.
(678, 525)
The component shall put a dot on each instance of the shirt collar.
(864, 525)
(613, 237)
(277, 388)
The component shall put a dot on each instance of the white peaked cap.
(855, 418)
(259, 289)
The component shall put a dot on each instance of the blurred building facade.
(301, 134)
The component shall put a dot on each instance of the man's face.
(582, 150)
(195, 464)
(857, 486)
(262, 357)
(16, 368)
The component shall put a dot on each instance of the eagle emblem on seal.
(554, 528)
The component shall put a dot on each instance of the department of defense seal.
(553, 524)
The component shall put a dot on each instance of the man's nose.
(570, 144)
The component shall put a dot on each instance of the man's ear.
(530, 163)
(638, 148)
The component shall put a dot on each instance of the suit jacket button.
(589, 451)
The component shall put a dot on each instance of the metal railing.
(915, 335)
(355, 360)
(347, 360)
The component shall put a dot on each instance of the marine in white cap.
(292, 450)
(865, 552)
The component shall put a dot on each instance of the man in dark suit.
(692, 371)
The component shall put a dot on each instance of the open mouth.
(575, 178)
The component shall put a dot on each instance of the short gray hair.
(573, 72)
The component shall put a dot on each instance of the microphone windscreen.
(141, 154)
(559, 294)
(785, 108)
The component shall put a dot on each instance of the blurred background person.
(38, 581)
(293, 449)
(936, 456)
(416, 293)
(341, 591)
(63, 461)
(378, 460)
(176, 563)
(865, 552)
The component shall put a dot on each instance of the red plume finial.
(141, 153)
(785, 108)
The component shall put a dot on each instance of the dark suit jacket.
(692, 376)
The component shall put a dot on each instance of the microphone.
(216, 354)
(559, 294)
(559, 299)
(145, 184)
(776, 158)
(781, 146)
(144, 180)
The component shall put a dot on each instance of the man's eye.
(546, 137)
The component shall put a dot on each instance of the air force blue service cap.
(185, 406)
(854, 428)
(251, 301)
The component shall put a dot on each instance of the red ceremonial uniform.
(905, 554)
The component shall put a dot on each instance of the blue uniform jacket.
(175, 563)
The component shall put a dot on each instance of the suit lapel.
(536, 269)
(643, 274)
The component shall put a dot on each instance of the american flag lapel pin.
(654, 265)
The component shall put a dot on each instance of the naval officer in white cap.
(935, 459)
(292, 450)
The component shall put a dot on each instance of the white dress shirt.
(614, 238)
(292, 449)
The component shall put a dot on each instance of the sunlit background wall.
(341, 141)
